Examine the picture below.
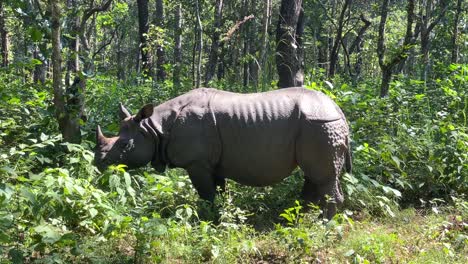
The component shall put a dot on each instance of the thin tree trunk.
(387, 65)
(264, 49)
(160, 54)
(213, 60)
(339, 35)
(455, 47)
(3, 36)
(70, 128)
(177, 46)
(120, 57)
(253, 62)
(426, 28)
(200, 43)
(73, 41)
(39, 69)
(143, 27)
(356, 46)
(246, 47)
(287, 58)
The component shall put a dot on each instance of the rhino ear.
(123, 112)
(144, 112)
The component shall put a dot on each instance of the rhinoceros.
(255, 139)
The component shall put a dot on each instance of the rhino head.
(134, 146)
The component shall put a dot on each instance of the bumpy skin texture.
(254, 139)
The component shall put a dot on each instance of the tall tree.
(387, 64)
(73, 41)
(288, 59)
(357, 44)
(264, 48)
(213, 59)
(143, 28)
(177, 46)
(160, 54)
(455, 33)
(199, 43)
(426, 27)
(338, 38)
(3, 36)
(69, 125)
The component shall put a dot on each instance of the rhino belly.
(259, 160)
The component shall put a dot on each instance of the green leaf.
(48, 232)
(35, 34)
(93, 212)
(4, 238)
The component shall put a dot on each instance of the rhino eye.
(128, 145)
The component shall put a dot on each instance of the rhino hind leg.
(320, 152)
(327, 195)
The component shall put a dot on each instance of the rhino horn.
(100, 138)
(124, 113)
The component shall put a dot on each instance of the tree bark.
(426, 28)
(387, 65)
(143, 28)
(177, 46)
(246, 47)
(288, 60)
(265, 39)
(200, 43)
(213, 59)
(339, 35)
(69, 127)
(160, 54)
(73, 43)
(356, 46)
(455, 47)
(3, 36)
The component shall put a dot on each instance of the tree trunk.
(387, 65)
(288, 61)
(120, 57)
(265, 40)
(246, 47)
(253, 47)
(177, 46)
(213, 60)
(73, 41)
(356, 46)
(69, 128)
(143, 28)
(160, 54)
(39, 75)
(3, 36)
(200, 43)
(339, 35)
(455, 47)
(426, 28)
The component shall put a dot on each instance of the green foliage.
(408, 150)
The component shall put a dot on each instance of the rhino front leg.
(203, 181)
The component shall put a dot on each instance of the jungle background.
(397, 68)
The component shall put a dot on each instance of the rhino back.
(258, 131)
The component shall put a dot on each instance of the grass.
(439, 235)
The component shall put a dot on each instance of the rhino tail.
(348, 158)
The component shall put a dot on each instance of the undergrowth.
(410, 150)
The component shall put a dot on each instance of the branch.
(236, 27)
(106, 43)
(87, 14)
(444, 5)
(363, 30)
